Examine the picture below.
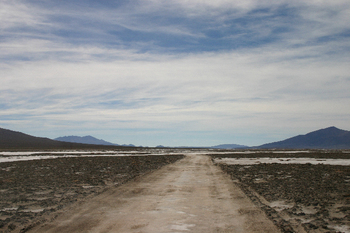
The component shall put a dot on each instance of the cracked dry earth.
(190, 195)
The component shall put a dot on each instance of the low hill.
(12, 140)
(86, 140)
(328, 138)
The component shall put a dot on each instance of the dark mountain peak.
(327, 133)
(328, 138)
(333, 128)
(328, 130)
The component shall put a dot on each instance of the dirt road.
(191, 195)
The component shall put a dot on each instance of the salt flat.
(252, 161)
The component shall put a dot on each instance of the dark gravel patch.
(30, 190)
(315, 197)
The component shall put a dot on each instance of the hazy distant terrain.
(229, 146)
(328, 138)
(86, 140)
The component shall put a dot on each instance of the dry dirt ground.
(32, 192)
(307, 197)
(170, 193)
(190, 195)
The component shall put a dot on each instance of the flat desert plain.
(174, 190)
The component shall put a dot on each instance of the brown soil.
(190, 195)
(31, 190)
(298, 197)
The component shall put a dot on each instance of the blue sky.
(175, 72)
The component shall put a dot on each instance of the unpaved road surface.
(191, 195)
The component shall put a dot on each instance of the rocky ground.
(297, 197)
(31, 190)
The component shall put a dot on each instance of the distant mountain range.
(221, 146)
(12, 140)
(89, 140)
(229, 146)
(328, 138)
(86, 140)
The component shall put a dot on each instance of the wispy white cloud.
(249, 71)
(197, 92)
(14, 13)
